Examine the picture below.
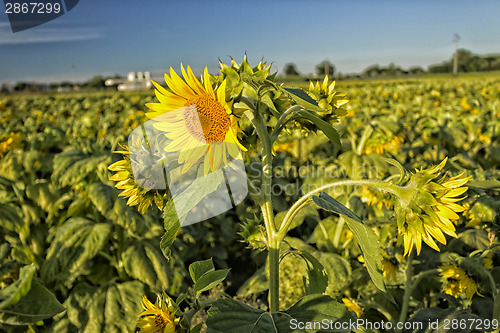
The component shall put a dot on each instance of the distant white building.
(134, 81)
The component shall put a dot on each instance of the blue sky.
(118, 36)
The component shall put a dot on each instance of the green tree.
(290, 69)
(325, 66)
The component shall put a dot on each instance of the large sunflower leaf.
(326, 202)
(172, 226)
(365, 237)
(317, 308)
(26, 301)
(75, 242)
(110, 308)
(300, 97)
(144, 261)
(73, 166)
(316, 278)
(323, 126)
(228, 316)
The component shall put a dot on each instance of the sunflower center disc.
(160, 322)
(212, 117)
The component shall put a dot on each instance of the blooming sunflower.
(158, 317)
(202, 128)
(456, 281)
(429, 208)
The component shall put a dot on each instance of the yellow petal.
(429, 241)
(122, 175)
(456, 192)
(455, 183)
(436, 233)
(177, 85)
(208, 84)
(221, 92)
(443, 211)
(193, 81)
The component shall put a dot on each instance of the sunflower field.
(407, 234)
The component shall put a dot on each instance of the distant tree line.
(467, 62)
(94, 83)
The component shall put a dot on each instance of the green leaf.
(490, 184)
(172, 226)
(13, 293)
(300, 97)
(75, 242)
(433, 319)
(114, 307)
(315, 308)
(195, 192)
(475, 238)
(105, 199)
(315, 279)
(229, 316)
(209, 280)
(326, 202)
(365, 237)
(144, 261)
(38, 304)
(323, 126)
(198, 268)
(73, 166)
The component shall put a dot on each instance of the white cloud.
(44, 35)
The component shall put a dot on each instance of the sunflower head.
(158, 317)
(137, 191)
(197, 119)
(389, 268)
(237, 76)
(457, 281)
(381, 144)
(327, 97)
(428, 209)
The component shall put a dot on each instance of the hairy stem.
(379, 184)
(266, 207)
(408, 290)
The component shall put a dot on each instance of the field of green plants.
(74, 257)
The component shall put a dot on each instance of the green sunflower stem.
(408, 290)
(273, 242)
(299, 204)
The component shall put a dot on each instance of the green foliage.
(66, 236)
(27, 301)
(204, 275)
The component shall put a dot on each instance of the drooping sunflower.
(429, 210)
(389, 270)
(136, 190)
(159, 317)
(197, 119)
(457, 281)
